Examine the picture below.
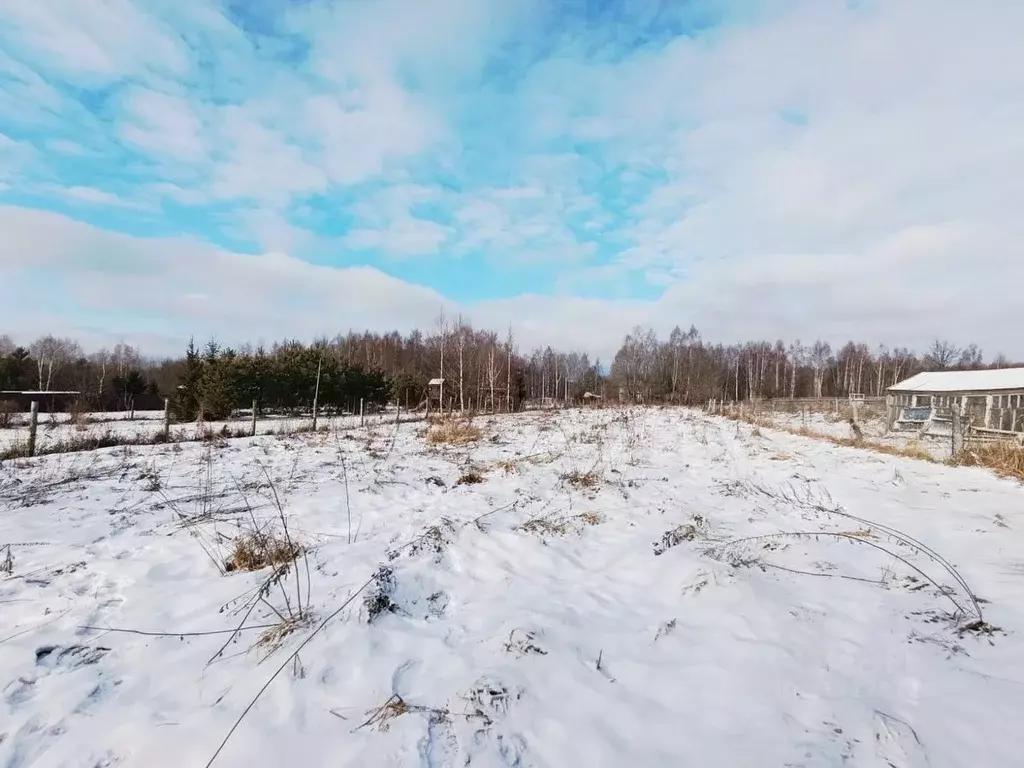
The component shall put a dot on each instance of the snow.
(523, 620)
(993, 380)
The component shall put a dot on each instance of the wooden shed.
(989, 400)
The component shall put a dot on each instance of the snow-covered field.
(585, 603)
(57, 429)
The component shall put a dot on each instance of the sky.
(254, 170)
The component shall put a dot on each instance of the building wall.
(1002, 411)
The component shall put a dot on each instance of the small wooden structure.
(591, 399)
(435, 391)
(990, 401)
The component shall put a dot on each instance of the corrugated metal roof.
(997, 379)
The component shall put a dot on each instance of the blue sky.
(279, 168)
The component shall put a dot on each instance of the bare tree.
(442, 326)
(509, 345)
(51, 354)
(971, 357)
(820, 354)
(101, 362)
(462, 331)
(941, 355)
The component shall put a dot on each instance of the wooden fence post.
(33, 424)
(958, 435)
(361, 419)
(253, 430)
(167, 418)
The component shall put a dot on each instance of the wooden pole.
(33, 424)
(361, 419)
(167, 418)
(253, 429)
(316, 392)
(958, 435)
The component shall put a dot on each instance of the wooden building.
(989, 401)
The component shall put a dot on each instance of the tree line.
(686, 369)
(472, 369)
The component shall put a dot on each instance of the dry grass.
(453, 432)
(561, 526)
(471, 477)
(1003, 457)
(508, 467)
(79, 416)
(579, 479)
(253, 551)
(546, 525)
(273, 637)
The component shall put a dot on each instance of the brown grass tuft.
(253, 551)
(561, 526)
(471, 477)
(579, 479)
(453, 432)
(508, 466)
(1003, 457)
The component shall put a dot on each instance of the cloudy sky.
(261, 169)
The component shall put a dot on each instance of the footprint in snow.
(439, 747)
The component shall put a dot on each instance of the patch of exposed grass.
(694, 529)
(1003, 457)
(471, 477)
(254, 550)
(579, 479)
(560, 526)
(453, 432)
(508, 467)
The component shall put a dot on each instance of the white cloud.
(97, 197)
(89, 40)
(175, 192)
(269, 296)
(273, 295)
(406, 236)
(163, 125)
(67, 147)
(272, 231)
(833, 168)
(261, 164)
(360, 132)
